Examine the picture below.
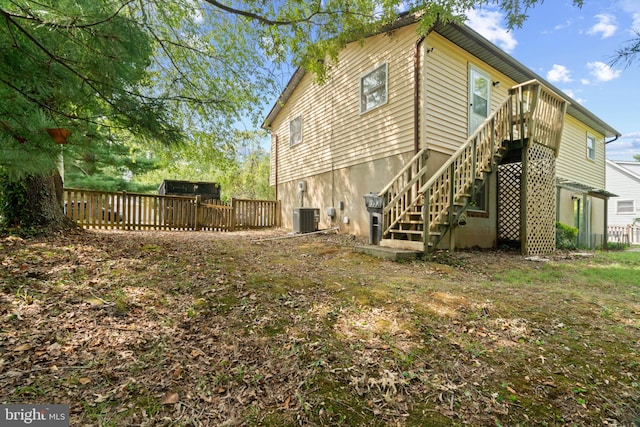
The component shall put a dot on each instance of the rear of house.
(394, 120)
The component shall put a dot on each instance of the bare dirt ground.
(161, 328)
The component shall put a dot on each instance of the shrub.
(565, 236)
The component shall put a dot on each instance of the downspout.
(275, 140)
(416, 95)
(613, 140)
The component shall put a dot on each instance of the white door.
(479, 98)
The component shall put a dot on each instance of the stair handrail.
(464, 147)
(405, 187)
(409, 165)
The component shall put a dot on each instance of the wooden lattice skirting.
(539, 201)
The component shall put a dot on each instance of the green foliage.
(69, 64)
(242, 169)
(13, 202)
(109, 167)
(565, 236)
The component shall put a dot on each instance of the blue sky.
(571, 48)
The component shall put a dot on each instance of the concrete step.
(391, 253)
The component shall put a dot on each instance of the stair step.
(411, 222)
(414, 232)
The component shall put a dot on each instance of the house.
(460, 144)
(623, 178)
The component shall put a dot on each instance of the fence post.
(198, 213)
(232, 220)
(125, 217)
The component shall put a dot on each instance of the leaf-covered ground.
(158, 328)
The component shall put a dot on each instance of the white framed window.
(591, 147)
(295, 131)
(625, 207)
(374, 88)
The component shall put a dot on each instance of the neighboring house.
(623, 179)
(465, 146)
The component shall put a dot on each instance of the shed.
(207, 190)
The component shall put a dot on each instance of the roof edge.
(574, 109)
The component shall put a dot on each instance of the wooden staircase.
(419, 212)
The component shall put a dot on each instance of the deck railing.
(135, 211)
(531, 113)
(401, 194)
(540, 113)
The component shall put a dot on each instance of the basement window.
(295, 131)
(373, 88)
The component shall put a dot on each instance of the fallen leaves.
(23, 347)
(145, 328)
(170, 398)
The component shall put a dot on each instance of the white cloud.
(625, 148)
(569, 92)
(574, 96)
(606, 26)
(631, 8)
(602, 72)
(489, 24)
(564, 25)
(635, 27)
(559, 73)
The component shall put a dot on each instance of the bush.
(565, 236)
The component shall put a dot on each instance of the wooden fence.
(135, 211)
(626, 234)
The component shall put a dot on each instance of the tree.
(171, 72)
(629, 53)
(248, 175)
(66, 65)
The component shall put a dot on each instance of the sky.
(572, 48)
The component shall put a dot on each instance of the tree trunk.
(35, 202)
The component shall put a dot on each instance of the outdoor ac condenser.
(305, 220)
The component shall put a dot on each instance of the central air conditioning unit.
(305, 220)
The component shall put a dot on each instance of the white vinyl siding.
(373, 88)
(624, 181)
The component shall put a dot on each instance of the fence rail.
(135, 211)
